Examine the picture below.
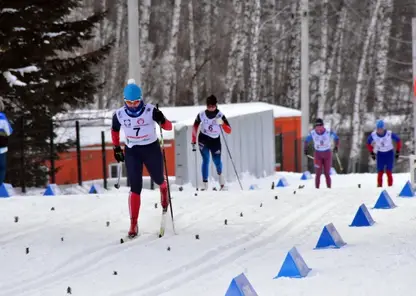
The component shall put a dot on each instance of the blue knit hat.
(380, 124)
(132, 92)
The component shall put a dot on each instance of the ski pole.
(339, 162)
(117, 185)
(232, 161)
(196, 168)
(166, 173)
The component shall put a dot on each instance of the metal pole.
(22, 156)
(78, 153)
(296, 155)
(104, 159)
(52, 153)
(133, 39)
(414, 82)
(281, 152)
(305, 73)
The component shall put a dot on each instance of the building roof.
(93, 122)
(189, 112)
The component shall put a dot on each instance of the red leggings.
(323, 162)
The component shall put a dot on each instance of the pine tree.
(42, 75)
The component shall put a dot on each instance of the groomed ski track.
(254, 243)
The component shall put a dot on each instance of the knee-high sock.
(380, 178)
(134, 206)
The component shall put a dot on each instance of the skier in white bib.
(211, 121)
(142, 147)
(382, 140)
(322, 138)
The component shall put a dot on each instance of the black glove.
(335, 149)
(397, 154)
(373, 155)
(118, 154)
(193, 146)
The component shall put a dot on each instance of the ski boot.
(222, 181)
(134, 229)
(204, 186)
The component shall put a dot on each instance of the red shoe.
(134, 229)
(164, 201)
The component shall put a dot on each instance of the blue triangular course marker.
(306, 176)
(282, 182)
(48, 191)
(294, 266)
(52, 190)
(95, 189)
(333, 171)
(362, 217)
(240, 286)
(330, 238)
(384, 201)
(407, 190)
(253, 187)
(6, 190)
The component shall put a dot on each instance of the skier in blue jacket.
(382, 140)
(5, 131)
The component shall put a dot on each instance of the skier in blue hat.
(382, 140)
(142, 147)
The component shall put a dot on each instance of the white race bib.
(210, 127)
(383, 144)
(321, 142)
(138, 130)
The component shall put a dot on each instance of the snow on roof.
(85, 117)
(92, 122)
(91, 135)
(189, 112)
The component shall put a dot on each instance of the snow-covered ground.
(72, 246)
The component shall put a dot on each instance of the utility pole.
(304, 10)
(133, 39)
(414, 82)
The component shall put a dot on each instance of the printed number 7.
(137, 129)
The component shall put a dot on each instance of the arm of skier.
(5, 127)
(115, 138)
(306, 143)
(115, 131)
(197, 122)
(398, 141)
(225, 124)
(336, 141)
(369, 144)
(370, 147)
(161, 120)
